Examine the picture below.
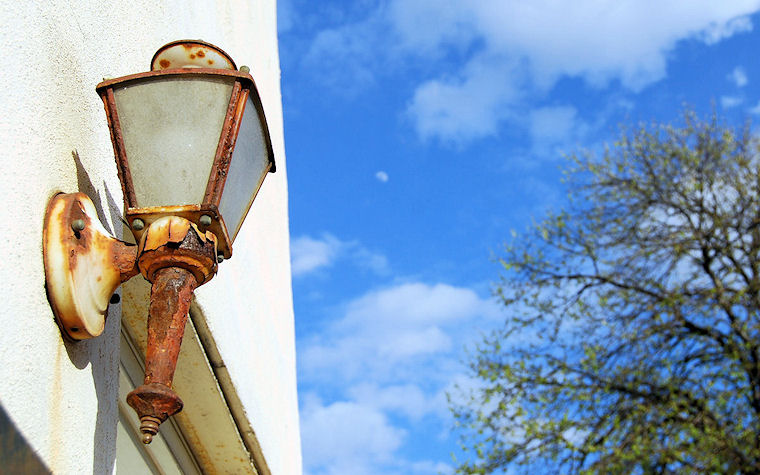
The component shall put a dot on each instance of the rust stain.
(192, 56)
(164, 63)
(210, 61)
(200, 53)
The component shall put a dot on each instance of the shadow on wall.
(85, 186)
(17, 456)
(91, 352)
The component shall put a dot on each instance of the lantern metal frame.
(243, 89)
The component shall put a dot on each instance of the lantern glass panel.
(171, 127)
(249, 165)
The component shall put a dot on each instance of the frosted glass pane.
(249, 162)
(171, 129)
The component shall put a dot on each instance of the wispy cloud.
(738, 76)
(310, 254)
(382, 176)
(728, 102)
(406, 322)
(554, 130)
(492, 55)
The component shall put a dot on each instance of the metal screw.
(205, 220)
(138, 224)
(245, 69)
(115, 298)
(77, 225)
(220, 258)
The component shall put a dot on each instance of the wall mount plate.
(84, 265)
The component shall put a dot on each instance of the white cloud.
(407, 399)
(599, 40)
(389, 356)
(718, 31)
(356, 437)
(505, 50)
(384, 334)
(727, 102)
(310, 254)
(755, 110)
(553, 130)
(738, 76)
(382, 176)
(470, 105)
(346, 437)
(347, 55)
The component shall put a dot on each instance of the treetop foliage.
(632, 343)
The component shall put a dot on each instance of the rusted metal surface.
(192, 213)
(176, 257)
(176, 242)
(191, 53)
(245, 78)
(223, 155)
(84, 265)
(119, 150)
(170, 297)
(124, 259)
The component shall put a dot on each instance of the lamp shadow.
(17, 455)
(99, 352)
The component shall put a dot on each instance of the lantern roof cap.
(191, 54)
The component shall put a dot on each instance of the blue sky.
(419, 135)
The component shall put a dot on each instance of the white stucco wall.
(61, 397)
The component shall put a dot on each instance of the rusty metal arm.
(176, 257)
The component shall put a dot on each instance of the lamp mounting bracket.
(84, 265)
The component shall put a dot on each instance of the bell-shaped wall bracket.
(84, 265)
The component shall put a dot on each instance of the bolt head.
(77, 225)
(245, 69)
(138, 224)
(205, 220)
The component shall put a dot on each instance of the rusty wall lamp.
(192, 149)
